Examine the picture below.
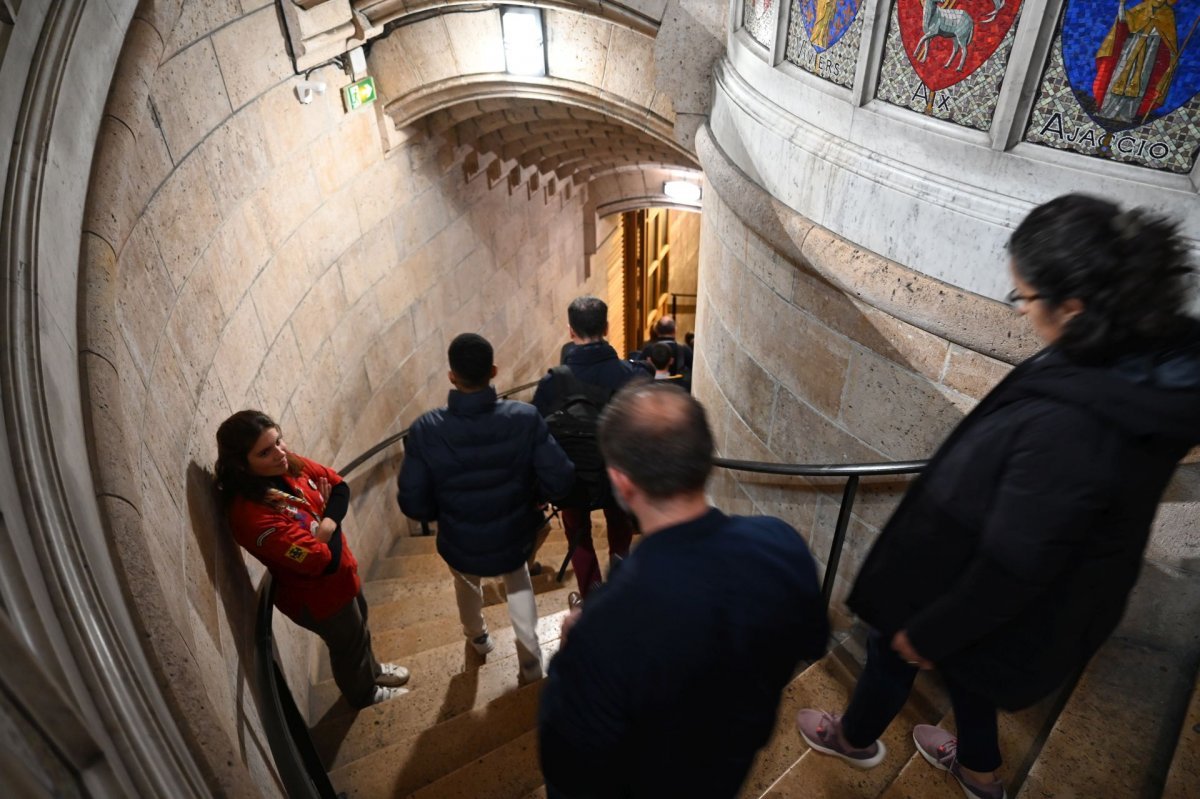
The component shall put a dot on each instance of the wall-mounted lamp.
(524, 41)
(682, 191)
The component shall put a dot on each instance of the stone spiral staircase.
(1129, 730)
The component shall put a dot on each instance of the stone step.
(446, 681)
(400, 644)
(825, 685)
(1108, 740)
(814, 776)
(430, 566)
(509, 772)
(396, 603)
(431, 754)
(1021, 736)
(1183, 779)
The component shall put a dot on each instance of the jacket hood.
(1149, 394)
(588, 354)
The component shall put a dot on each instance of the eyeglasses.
(1015, 298)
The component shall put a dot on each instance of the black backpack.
(573, 424)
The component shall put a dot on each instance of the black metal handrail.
(675, 295)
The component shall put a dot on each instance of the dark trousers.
(353, 663)
(578, 524)
(883, 689)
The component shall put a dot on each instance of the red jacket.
(279, 533)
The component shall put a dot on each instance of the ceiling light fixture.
(682, 191)
(524, 41)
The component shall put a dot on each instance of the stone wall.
(684, 238)
(794, 367)
(244, 250)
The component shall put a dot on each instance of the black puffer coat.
(1011, 558)
(478, 467)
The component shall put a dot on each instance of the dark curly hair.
(235, 438)
(1129, 268)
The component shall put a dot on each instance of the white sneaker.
(392, 675)
(383, 694)
(483, 644)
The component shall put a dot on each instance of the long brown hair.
(236, 436)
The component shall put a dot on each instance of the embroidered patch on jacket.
(263, 537)
(297, 554)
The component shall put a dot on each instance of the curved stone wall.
(812, 350)
(245, 250)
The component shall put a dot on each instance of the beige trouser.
(522, 610)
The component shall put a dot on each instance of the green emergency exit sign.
(359, 93)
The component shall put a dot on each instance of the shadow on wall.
(228, 579)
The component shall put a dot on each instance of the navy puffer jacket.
(479, 467)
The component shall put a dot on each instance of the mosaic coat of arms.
(947, 58)
(823, 38)
(947, 40)
(1122, 83)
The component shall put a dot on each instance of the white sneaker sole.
(868, 763)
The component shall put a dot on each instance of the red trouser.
(578, 524)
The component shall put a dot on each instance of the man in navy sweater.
(668, 681)
(479, 467)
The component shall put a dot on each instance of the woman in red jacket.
(287, 511)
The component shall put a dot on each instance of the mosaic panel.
(759, 19)
(1123, 83)
(823, 38)
(946, 58)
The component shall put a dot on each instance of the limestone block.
(235, 256)
(317, 315)
(290, 126)
(113, 204)
(427, 45)
(327, 235)
(254, 5)
(352, 390)
(395, 73)
(894, 339)
(240, 353)
(279, 375)
(379, 190)
(366, 263)
(354, 334)
(144, 299)
(752, 393)
(402, 285)
(577, 46)
(212, 670)
(253, 55)
(162, 531)
(183, 216)
(236, 158)
(281, 286)
(199, 19)
(972, 373)
(418, 221)
(312, 400)
(690, 39)
(213, 407)
(895, 411)
(388, 350)
(289, 196)
(194, 329)
(160, 16)
(140, 56)
(799, 434)
(767, 265)
(100, 328)
(477, 41)
(629, 71)
(190, 98)
(115, 454)
(803, 355)
(859, 537)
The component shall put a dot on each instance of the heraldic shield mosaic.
(823, 38)
(759, 18)
(946, 58)
(1122, 83)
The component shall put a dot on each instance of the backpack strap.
(567, 386)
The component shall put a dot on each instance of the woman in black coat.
(1010, 559)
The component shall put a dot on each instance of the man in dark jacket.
(681, 354)
(593, 362)
(669, 680)
(480, 467)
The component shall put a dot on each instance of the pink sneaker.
(820, 731)
(940, 748)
